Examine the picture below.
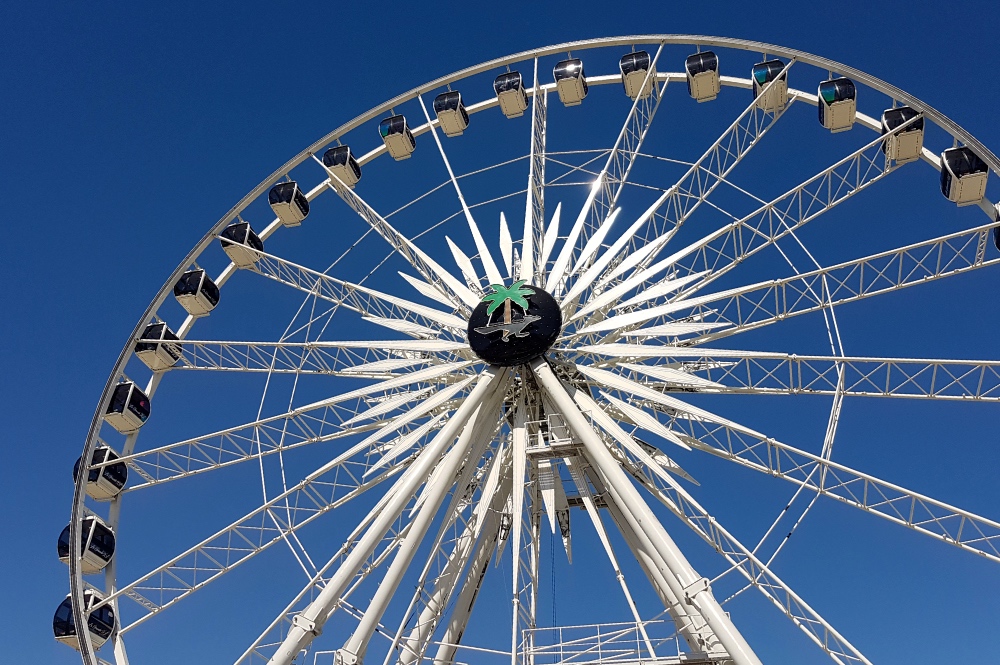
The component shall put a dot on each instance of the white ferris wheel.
(525, 326)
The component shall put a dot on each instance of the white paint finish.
(645, 421)
(506, 245)
(426, 289)
(617, 382)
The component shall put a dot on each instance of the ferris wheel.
(521, 316)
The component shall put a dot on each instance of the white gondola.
(906, 144)
(762, 74)
(963, 176)
(241, 244)
(341, 163)
(128, 408)
(571, 82)
(288, 202)
(196, 292)
(996, 229)
(451, 113)
(838, 104)
(510, 93)
(397, 137)
(635, 68)
(106, 482)
(158, 353)
(97, 545)
(100, 622)
(702, 71)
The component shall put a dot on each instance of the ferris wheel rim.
(76, 579)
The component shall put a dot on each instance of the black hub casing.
(524, 341)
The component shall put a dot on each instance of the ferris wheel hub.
(513, 325)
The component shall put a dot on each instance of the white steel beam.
(492, 272)
(721, 251)
(449, 286)
(532, 263)
(679, 202)
(310, 621)
(791, 374)
(371, 304)
(433, 599)
(765, 303)
(304, 425)
(683, 580)
(899, 505)
(682, 504)
(607, 187)
(691, 626)
(519, 462)
(480, 424)
(382, 359)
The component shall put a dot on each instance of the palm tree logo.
(515, 294)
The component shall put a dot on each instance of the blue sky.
(128, 130)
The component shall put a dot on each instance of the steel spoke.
(314, 423)
(532, 268)
(310, 621)
(679, 202)
(383, 359)
(931, 517)
(607, 186)
(764, 303)
(433, 274)
(684, 506)
(264, 646)
(411, 318)
(331, 486)
(492, 272)
(721, 251)
(709, 370)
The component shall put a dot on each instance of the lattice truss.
(470, 464)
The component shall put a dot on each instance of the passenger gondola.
(963, 176)
(451, 113)
(128, 408)
(635, 68)
(397, 137)
(106, 482)
(906, 144)
(764, 73)
(196, 292)
(158, 354)
(703, 76)
(837, 104)
(97, 545)
(100, 621)
(241, 244)
(571, 82)
(510, 93)
(288, 203)
(996, 229)
(342, 164)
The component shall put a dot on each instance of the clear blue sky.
(126, 130)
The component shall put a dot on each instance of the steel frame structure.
(475, 453)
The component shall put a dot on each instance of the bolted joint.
(345, 657)
(692, 591)
(307, 625)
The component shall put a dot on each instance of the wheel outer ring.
(75, 573)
